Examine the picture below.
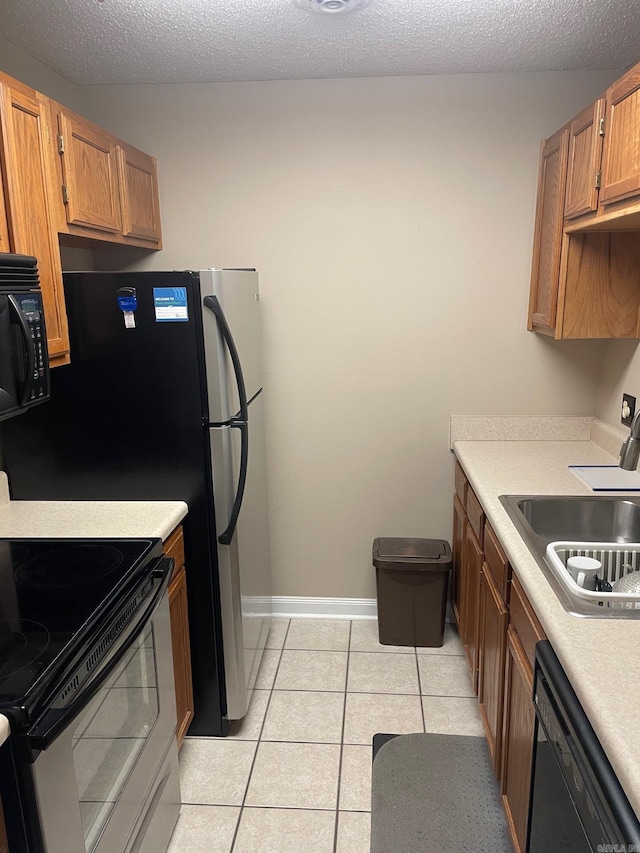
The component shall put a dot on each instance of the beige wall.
(18, 64)
(391, 222)
(620, 375)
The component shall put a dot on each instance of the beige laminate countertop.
(85, 519)
(601, 657)
(90, 519)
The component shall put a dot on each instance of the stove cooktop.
(50, 591)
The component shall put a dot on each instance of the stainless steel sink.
(597, 519)
(541, 519)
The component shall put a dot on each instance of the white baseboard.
(294, 607)
(324, 608)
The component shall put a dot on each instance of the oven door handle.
(54, 721)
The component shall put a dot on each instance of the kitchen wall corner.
(608, 437)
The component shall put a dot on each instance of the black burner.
(11, 643)
(75, 565)
(53, 594)
(21, 642)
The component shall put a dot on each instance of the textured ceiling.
(163, 41)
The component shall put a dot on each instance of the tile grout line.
(255, 754)
(344, 715)
(424, 725)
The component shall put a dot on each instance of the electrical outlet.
(628, 409)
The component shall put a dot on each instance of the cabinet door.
(472, 571)
(26, 141)
(5, 245)
(459, 532)
(140, 208)
(621, 156)
(547, 240)
(585, 151)
(181, 652)
(517, 740)
(491, 655)
(89, 171)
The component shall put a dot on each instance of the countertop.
(601, 657)
(90, 519)
(84, 519)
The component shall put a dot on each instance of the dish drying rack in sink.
(617, 561)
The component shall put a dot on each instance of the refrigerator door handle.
(212, 303)
(226, 537)
(240, 422)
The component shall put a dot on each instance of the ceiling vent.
(332, 7)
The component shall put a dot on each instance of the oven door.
(98, 779)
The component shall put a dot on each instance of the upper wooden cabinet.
(621, 157)
(139, 194)
(108, 190)
(547, 239)
(586, 249)
(62, 175)
(26, 139)
(89, 173)
(585, 150)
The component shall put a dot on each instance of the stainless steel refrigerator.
(163, 400)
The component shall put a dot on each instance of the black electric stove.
(54, 595)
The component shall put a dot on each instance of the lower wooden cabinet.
(499, 630)
(457, 549)
(491, 656)
(470, 621)
(517, 739)
(178, 612)
(181, 652)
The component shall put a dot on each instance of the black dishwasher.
(577, 804)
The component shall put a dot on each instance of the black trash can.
(412, 576)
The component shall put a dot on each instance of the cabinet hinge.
(598, 176)
(65, 194)
(60, 144)
(601, 128)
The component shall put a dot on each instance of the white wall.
(391, 222)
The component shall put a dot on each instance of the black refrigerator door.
(126, 422)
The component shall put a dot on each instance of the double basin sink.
(543, 519)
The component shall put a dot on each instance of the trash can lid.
(413, 551)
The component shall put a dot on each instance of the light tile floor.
(295, 774)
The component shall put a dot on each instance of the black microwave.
(24, 359)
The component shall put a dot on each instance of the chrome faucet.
(630, 450)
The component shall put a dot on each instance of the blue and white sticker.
(170, 304)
